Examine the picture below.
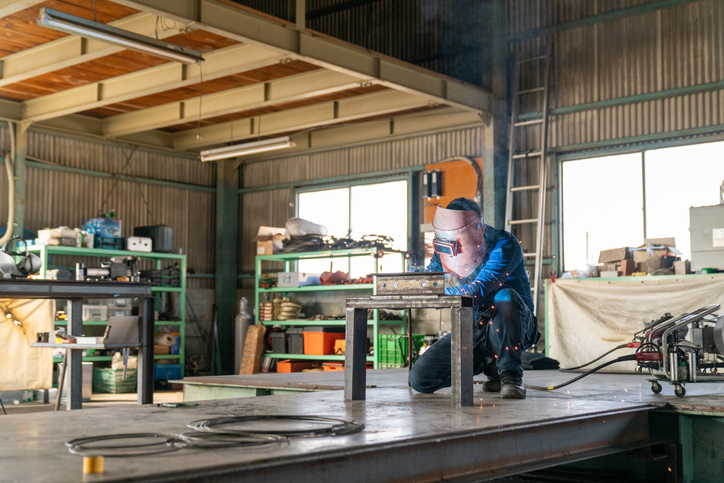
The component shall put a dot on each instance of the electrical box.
(706, 229)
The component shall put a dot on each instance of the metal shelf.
(46, 252)
(320, 288)
(353, 252)
(108, 358)
(311, 357)
(102, 252)
(342, 322)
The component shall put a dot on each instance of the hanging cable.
(630, 357)
(10, 170)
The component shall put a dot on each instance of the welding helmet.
(459, 240)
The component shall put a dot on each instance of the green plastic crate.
(111, 381)
(388, 348)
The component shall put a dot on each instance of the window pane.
(602, 207)
(331, 209)
(380, 209)
(676, 179)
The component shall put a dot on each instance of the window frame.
(557, 160)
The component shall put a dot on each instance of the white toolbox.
(139, 244)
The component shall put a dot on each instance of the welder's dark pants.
(511, 329)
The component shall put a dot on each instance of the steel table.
(75, 292)
(355, 364)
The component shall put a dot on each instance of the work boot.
(493, 382)
(511, 386)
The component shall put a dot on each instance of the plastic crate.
(167, 372)
(111, 381)
(95, 312)
(390, 354)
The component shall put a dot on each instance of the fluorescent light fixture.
(123, 38)
(247, 148)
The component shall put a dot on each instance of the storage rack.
(45, 253)
(289, 259)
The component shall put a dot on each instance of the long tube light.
(247, 148)
(123, 38)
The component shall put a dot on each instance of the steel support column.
(21, 149)
(227, 221)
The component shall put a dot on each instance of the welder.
(486, 264)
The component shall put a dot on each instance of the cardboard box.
(613, 255)
(682, 267)
(627, 267)
(609, 274)
(269, 240)
(103, 227)
(297, 279)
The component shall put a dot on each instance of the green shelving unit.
(46, 252)
(364, 288)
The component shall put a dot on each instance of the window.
(603, 198)
(370, 209)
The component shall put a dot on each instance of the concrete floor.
(407, 436)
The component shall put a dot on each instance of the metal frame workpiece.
(355, 373)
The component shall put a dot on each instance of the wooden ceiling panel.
(21, 31)
(120, 63)
(209, 87)
(278, 107)
(201, 40)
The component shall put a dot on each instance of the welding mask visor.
(458, 240)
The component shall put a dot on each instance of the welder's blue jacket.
(502, 267)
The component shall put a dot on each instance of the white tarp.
(587, 317)
(22, 366)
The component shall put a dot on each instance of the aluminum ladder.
(541, 66)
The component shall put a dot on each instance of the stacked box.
(111, 381)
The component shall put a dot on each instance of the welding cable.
(630, 357)
(165, 443)
(199, 439)
(618, 347)
(334, 426)
(3, 406)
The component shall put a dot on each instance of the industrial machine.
(686, 348)
(18, 264)
(118, 269)
(706, 229)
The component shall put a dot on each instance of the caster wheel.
(655, 387)
(679, 391)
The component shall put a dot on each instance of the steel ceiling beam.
(283, 90)
(343, 110)
(228, 19)
(72, 50)
(172, 75)
(596, 19)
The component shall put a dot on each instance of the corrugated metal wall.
(667, 49)
(446, 36)
(660, 50)
(64, 199)
(272, 208)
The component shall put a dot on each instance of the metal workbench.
(77, 291)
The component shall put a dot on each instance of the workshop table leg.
(409, 344)
(75, 364)
(355, 355)
(146, 328)
(461, 348)
(61, 380)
